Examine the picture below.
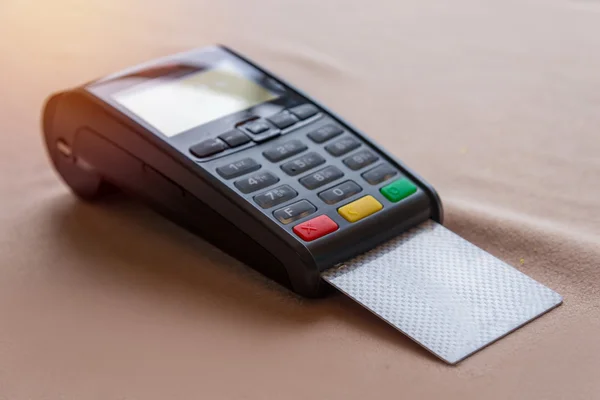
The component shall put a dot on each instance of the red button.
(315, 228)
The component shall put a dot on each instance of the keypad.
(360, 160)
(275, 196)
(283, 119)
(379, 174)
(234, 138)
(325, 133)
(208, 148)
(328, 175)
(321, 177)
(295, 211)
(342, 146)
(285, 150)
(340, 192)
(302, 164)
(256, 182)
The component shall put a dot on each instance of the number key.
(256, 182)
(325, 133)
(360, 160)
(284, 150)
(302, 164)
(321, 177)
(340, 192)
(342, 146)
(275, 196)
(238, 168)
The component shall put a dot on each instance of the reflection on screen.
(175, 106)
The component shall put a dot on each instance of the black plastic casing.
(97, 146)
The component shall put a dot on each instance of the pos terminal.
(267, 174)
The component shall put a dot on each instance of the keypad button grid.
(351, 153)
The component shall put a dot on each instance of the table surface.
(494, 102)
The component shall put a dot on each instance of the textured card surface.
(442, 291)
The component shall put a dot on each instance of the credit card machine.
(262, 171)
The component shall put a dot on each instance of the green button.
(398, 190)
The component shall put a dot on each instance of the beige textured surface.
(495, 102)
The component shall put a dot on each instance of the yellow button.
(360, 209)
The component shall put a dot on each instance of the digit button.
(275, 196)
(340, 192)
(321, 177)
(284, 150)
(256, 182)
(302, 164)
(325, 133)
(238, 168)
(360, 160)
(342, 146)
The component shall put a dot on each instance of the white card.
(442, 291)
